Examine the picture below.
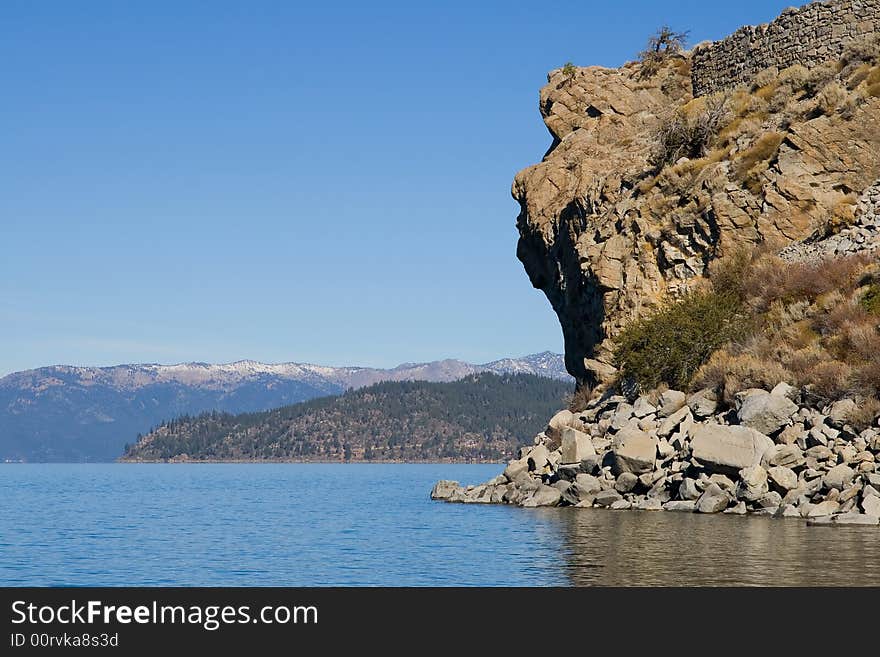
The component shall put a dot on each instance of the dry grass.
(811, 326)
(865, 414)
(578, 400)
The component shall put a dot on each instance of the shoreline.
(256, 462)
(774, 454)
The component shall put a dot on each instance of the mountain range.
(67, 413)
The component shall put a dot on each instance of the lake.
(371, 524)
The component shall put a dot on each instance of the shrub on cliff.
(689, 131)
(672, 344)
(661, 45)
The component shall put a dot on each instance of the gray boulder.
(752, 483)
(538, 458)
(607, 497)
(444, 489)
(871, 505)
(681, 417)
(713, 500)
(643, 407)
(544, 496)
(649, 504)
(782, 478)
(787, 456)
(576, 446)
(626, 482)
(729, 448)
(770, 500)
(515, 468)
(670, 402)
(856, 519)
(825, 508)
(633, 451)
(765, 412)
(687, 506)
(839, 477)
(704, 403)
(688, 490)
(839, 413)
(587, 485)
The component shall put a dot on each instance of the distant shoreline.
(255, 461)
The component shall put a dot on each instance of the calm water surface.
(353, 525)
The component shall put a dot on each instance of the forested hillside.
(485, 417)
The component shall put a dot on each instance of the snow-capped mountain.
(67, 413)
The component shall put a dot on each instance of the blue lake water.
(361, 525)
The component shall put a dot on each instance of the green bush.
(671, 345)
(871, 299)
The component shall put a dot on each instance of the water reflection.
(609, 548)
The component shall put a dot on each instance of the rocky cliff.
(612, 228)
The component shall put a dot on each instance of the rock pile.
(772, 454)
(861, 237)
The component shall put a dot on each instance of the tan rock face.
(607, 237)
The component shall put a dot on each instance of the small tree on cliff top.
(661, 45)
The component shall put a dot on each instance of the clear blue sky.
(324, 182)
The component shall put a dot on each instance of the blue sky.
(324, 182)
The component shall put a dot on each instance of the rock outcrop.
(807, 36)
(609, 234)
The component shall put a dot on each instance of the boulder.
(792, 434)
(784, 390)
(444, 489)
(681, 417)
(570, 492)
(788, 456)
(670, 401)
(856, 519)
(739, 510)
(787, 511)
(515, 468)
(723, 481)
(544, 496)
(559, 422)
(825, 508)
(687, 489)
(839, 412)
(704, 403)
(587, 484)
(752, 483)
(607, 497)
(680, 505)
(620, 505)
(819, 452)
(782, 478)
(633, 451)
(765, 412)
(621, 417)
(643, 407)
(728, 449)
(538, 458)
(626, 482)
(839, 477)
(649, 504)
(871, 505)
(713, 500)
(576, 446)
(770, 500)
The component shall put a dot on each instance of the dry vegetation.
(816, 326)
(746, 126)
